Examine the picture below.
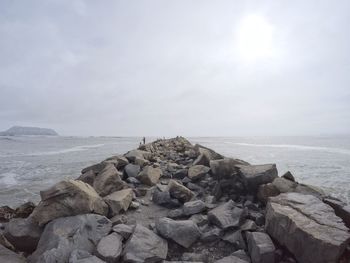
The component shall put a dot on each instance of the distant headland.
(20, 130)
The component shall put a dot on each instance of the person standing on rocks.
(144, 140)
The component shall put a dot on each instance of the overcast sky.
(193, 68)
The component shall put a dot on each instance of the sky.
(185, 67)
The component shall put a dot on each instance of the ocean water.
(31, 164)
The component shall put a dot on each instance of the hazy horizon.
(189, 68)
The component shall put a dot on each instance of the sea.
(29, 164)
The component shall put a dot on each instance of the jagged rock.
(109, 181)
(119, 161)
(193, 207)
(303, 221)
(267, 190)
(81, 256)
(119, 201)
(88, 177)
(68, 198)
(145, 246)
(141, 162)
(176, 213)
(226, 215)
(110, 247)
(231, 259)
(261, 247)
(341, 209)
(24, 210)
(235, 238)
(180, 192)
(224, 168)
(255, 175)
(132, 170)
(180, 174)
(288, 175)
(8, 256)
(150, 175)
(164, 199)
(199, 219)
(63, 235)
(24, 234)
(119, 219)
(211, 234)
(183, 232)
(201, 160)
(249, 225)
(124, 230)
(208, 153)
(242, 255)
(133, 154)
(197, 171)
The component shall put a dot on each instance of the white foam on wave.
(8, 179)
(298, 147)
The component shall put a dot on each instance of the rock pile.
(171, 201)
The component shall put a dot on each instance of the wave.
(8, 179)
(68, 150)
(298, 147)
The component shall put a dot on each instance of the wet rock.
(109, 181)
(255, 175)
(132, 170)
(145, 246)
(164, 199)
(24, 234)
(303, 221)
(224, 168)
(8, 256)
(119, 201)
(124, 230)
(288, 175)
(197, 171)
(226, 215)
(110, 247)
(150, 175)
(183, 232)
(63, 235)
(193, 207)
(261, 247)
(68, 198)
(341, 209)
(180, 192)
(81, 256)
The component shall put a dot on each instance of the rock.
(8, 256)
(284, 185)
(288, 175)
(4, 242)
(132, 170)
(209, 154)
(88, 177)
(145, 246)
(180, 174)
(194, 257)
(261, 247)
(119, 201)
(224, 168)
(199, 220)
(141, 162)
(341, 209)
(180, 192)
(226, 215)
(164, 199)
(255, 175)
(242, 255)
(124, 230)
(120, 161)
(303, 221)
(213, 234)
(249, 225)
(81, 256)
(24, 234)
(235, 238)
(231, 259)
(24, 210)
(193, 207)
(110, 247)
(267, 190)
(133, 180)
(109, 181)
(63, 235)
(201, 160)
(197, 171)
(96, 168)
(176, 213)
(68, 198)
(133, 154)
(183, 232)
(149, 175)
(6, 213)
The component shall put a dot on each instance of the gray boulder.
(261, 247)
(68, 198)
(226, 215)
(124, 230)
(193, 207)
(164, 199)
(132, 170)
(88, 177)
(119, 201)
(197, 171)
(150, 175)
(307, 227)
(24, 234)
(133, 154)
(8, 256)
(63, 235)
(110, 247)
(224, 168)
(183, 232)
(145, 246)
(179, 191)
(235, 238)
(255, 175)
(341, 209)
(81, 256)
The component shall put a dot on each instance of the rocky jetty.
(171, 201)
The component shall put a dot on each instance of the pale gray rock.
(183, 232)
(133, 154)
(193, 207)
(119, 200)
(341, 209)
(261, 247)
(197, 171)
(8, 256)
(124, 230)
(179, 191)
(150, 175)
(81, 256)
(110, 247)
(226, 215)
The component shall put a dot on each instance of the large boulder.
(183, 232)
(261, 247)
(68, 198)
(133, 154)
(63, 235)
(110, 247)
(307, 227)
(193, 207)
(88, 177)
(179, 191)
(225, 168)
(108, 181)
(8, 256)
(341, 209)
(225, 216)
(150, 175)
(24, 234)
(255, 175)
(81, 256)
(119, 201)
(145, 246)
(132, 170)
(197, 171)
